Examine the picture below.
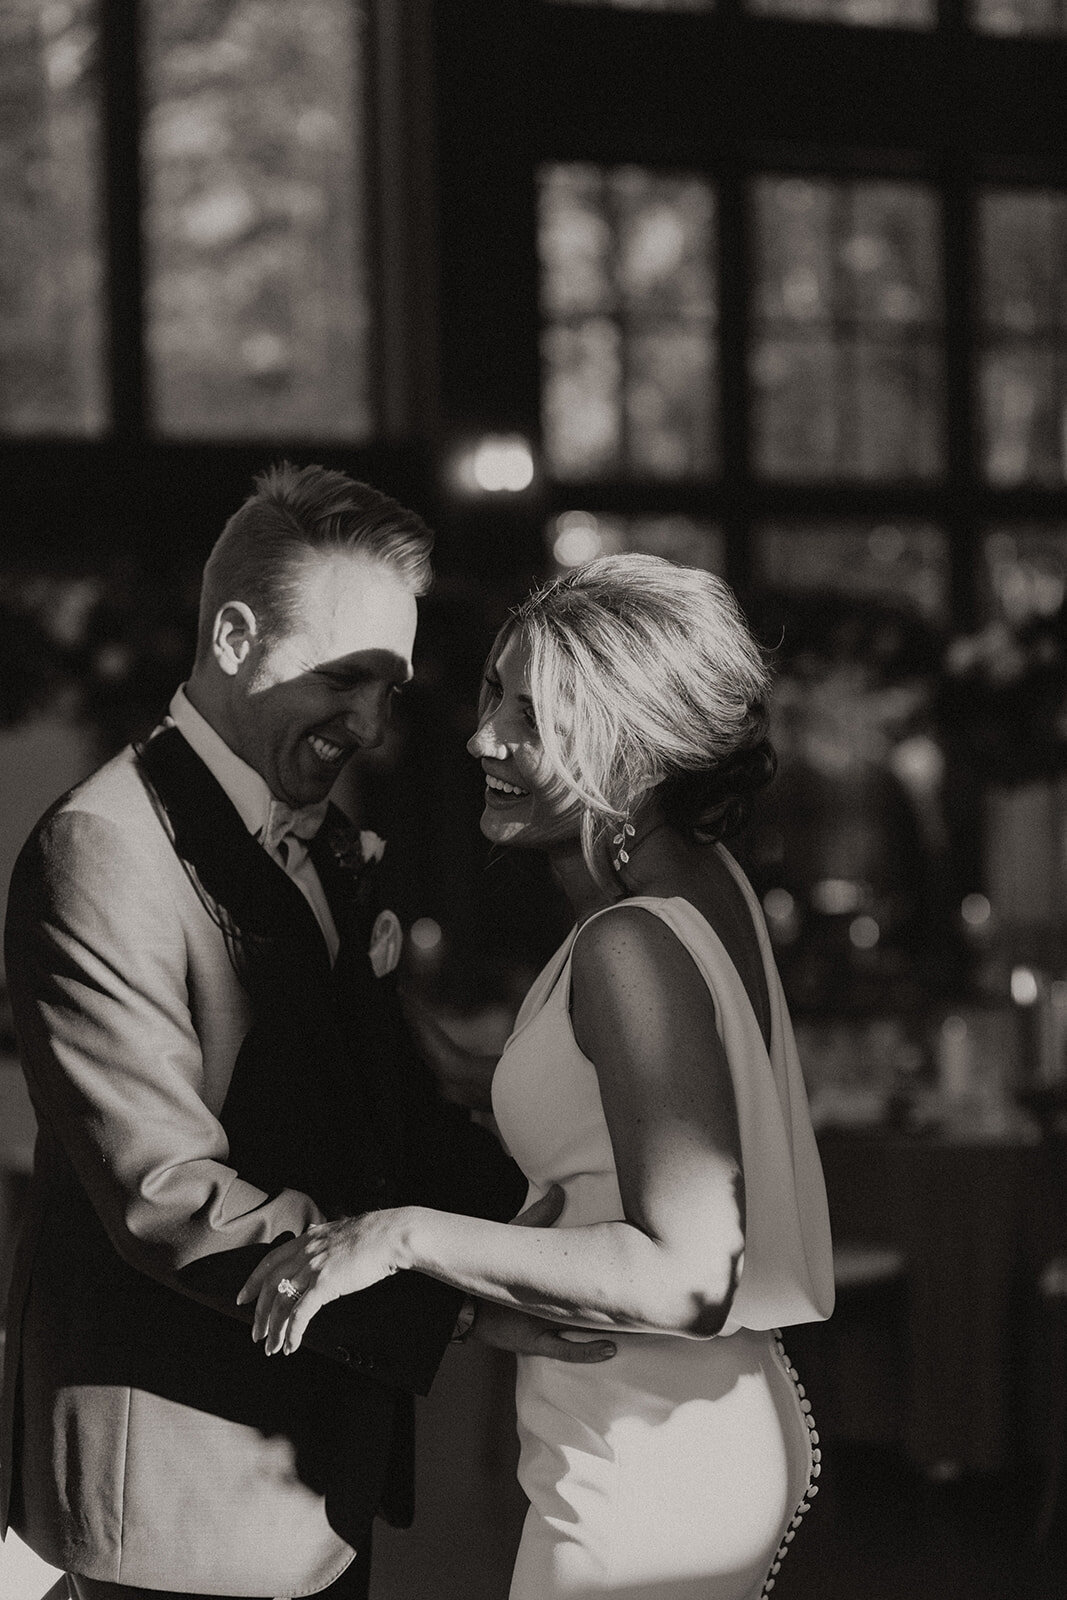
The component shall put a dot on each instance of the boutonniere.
(357, 854)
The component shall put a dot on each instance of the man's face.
(308, 698)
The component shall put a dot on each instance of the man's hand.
(542, 1213)
(506, 1329)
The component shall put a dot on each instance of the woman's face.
(524, 801)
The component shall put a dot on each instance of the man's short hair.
(294, 510)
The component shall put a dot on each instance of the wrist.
(402, 1238)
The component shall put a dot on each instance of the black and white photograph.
(533, 799)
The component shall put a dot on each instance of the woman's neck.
(655, 853)
(583, 892)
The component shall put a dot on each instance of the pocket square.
(386, 943)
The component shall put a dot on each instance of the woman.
(652, 1075)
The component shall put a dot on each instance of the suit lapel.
(234, 872)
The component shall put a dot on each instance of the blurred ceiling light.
(783, 918)
(864, 933)
(835, 897)
(578, 538)
(1023, 986)
(779, 904)
(426, 935)
(975, 910)
(496, 464)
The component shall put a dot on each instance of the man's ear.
(233, 635)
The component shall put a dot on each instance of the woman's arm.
(643, 1015)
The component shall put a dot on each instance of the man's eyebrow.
(350, 674)
(360, 672)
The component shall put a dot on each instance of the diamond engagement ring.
(289, 1289)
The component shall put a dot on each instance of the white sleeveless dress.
(680, 1469)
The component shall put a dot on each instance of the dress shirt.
(260, 812)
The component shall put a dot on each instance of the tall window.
(51, 257)
(243, 288)
(846, 354)
(628, 301)
(812, 333)
(258, 305)
(1023, 262)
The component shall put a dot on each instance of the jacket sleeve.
(98, 973)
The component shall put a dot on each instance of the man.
(198, 973)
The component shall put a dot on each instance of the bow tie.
(284, 827)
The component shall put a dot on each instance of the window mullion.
(962, 465)
(120, 40)
(735, 278)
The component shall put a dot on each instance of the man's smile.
(332, 755)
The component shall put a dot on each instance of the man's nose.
(367, 718)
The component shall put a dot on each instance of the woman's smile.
(499, 792)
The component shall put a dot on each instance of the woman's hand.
(329, 1260)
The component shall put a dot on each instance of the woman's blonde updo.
(644, 676)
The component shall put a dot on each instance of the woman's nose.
(484, 742)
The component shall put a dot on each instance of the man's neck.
(201, 695)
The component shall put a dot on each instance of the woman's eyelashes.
(493, 695)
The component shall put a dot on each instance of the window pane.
(51, 314)
(1024, 573)
(1021, 16)
(902, 562)
(1023, 261)
(668, 402)
(864, 13)
(628, 305)
(581, 398)
(577, 536)
(258, 316)
(846, 355)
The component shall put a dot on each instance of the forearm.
(603, 1275)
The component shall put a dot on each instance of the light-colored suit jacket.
(132, 1449)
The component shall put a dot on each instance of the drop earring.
(622, 839)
